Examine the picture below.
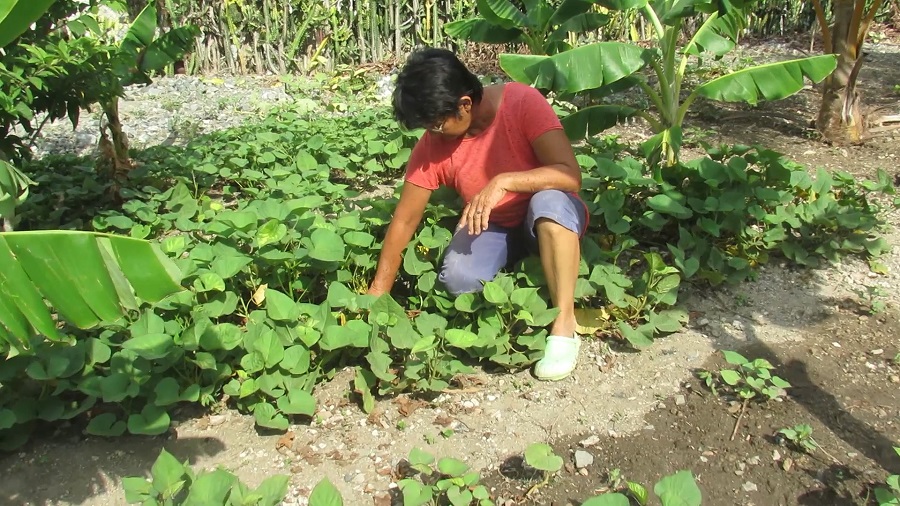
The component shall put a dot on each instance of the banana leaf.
(168, 48)
(622, 5)
(481, 30)
(717, 35)
(87, 278)
(502, 13)
(17, 15)
(580, 24)
(583, 68)
(569, 9)
(773, 81)
(594, 119)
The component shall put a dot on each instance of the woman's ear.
(465, 103)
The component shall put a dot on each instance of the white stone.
(583, 459)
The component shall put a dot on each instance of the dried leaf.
(259, 296)
(590, 320)
(286, 441)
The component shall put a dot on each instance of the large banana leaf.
(717, 35)
(773, 81)
(583, 68)
(581, 23)
(502, 13)
(141, 32)
(481, 30)
(88, 278)
(595, 119)
(168, 48)
(568, 9)
(13, 188)
(17, 15)
(622, 5)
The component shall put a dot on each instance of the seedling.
(889, 496)
(677, 489)
(541, 457)
(747, 381)
(447, 480)
(750, 379)
(873, 299)
(801, 437)
(172, 482)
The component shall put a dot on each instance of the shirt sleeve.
(537, 116)
(420, 170)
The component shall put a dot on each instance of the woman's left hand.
(477, 212)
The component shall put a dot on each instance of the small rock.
(583, 459)
(894, 378)
(680, 400)
(590, 441)
(749, 486)
(753, 461)
(879, 351)
(349, 477)
(359, 479)
(703, 322)
(216, 420)
(738, 325)
(836, 344)
(787, 464)
(776, 455)
(852, 455)
(583, 472)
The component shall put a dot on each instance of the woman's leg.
(473, 259)
(556, 221)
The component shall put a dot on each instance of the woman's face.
(457, 124)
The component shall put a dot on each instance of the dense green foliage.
(277, 243)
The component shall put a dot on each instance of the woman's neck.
(483, 113)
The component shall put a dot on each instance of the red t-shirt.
(467, 164)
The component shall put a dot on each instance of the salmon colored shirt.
(468, 164)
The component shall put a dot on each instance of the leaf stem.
(654, 19)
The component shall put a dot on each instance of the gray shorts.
(472, 259)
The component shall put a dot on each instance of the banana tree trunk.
(841, 119)
(114, 143)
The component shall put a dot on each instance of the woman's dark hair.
(429, 87)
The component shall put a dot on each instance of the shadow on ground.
(39, 474)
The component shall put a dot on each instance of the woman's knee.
(459, 279)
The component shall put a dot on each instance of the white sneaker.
(560, 357)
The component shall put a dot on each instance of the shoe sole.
(555, 378)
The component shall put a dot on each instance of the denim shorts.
(472, 259)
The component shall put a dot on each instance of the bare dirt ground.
(641, 413)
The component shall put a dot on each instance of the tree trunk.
(841, 119)
(114, 158)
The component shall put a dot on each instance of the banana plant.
(13, 191)
(607, 67)
(139, 54)
(543, 27)
(87, 278)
